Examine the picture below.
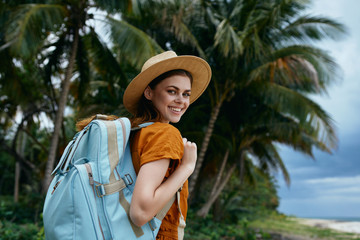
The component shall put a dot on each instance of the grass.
(290, 226)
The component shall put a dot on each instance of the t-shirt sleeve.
(161, 141)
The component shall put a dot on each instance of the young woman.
(163, 160)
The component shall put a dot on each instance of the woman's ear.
(148, 93)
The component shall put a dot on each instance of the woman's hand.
(190, 155)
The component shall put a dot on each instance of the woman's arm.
(150, 194)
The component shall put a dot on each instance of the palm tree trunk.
(221, 171)
(60, 113)
(203, 212)
(205, 209)
(17, 181)
(20, 149)
(204, 146)
(242, 166)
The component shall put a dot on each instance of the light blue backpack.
(89, 197)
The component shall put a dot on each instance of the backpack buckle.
(128, 179)
(99, 192)
(152, 225)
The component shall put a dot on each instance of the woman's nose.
(179, 98)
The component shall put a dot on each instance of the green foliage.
(13, 231)
(128, 38)
(207, 229)
(262, 196)
(22, 220)
(30, 24)
(27, 210)
(7, 171)
(250, 198)
(244, 199)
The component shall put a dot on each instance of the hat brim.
(197, 67)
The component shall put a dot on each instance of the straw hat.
(164, 62)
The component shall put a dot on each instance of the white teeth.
(176, 109)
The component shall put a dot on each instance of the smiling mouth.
(175, 109)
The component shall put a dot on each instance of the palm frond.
(83, 68)
(227, 40)
(133, 43)
(301, 109)
(275, 127)
(301, 68)
(103, 60)
(184, 35)
(114, 6)
(210, 14)
(54, 58)
(269, 158)
(308, 27)
(30, 24)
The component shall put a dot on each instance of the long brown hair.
(146, 112)
(84, 122)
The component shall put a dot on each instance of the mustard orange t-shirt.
(155, 142)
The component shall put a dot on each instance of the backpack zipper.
(91, 181)
(56, 185)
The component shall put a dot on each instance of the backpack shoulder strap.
(165, 209)
(141, 126)
(114, 185)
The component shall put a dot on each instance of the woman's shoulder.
(160, 127)
(161, 138)
(160, 132)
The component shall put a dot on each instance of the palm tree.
(249, 41)
(259, 125)
(244, 41)
(21, 91)
(62, 32)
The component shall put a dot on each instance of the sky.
(329, 186)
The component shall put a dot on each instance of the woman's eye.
(171, 91)
(186, 94)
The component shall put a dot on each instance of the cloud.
(345, 188)
(340, 163)
(322, 197)
(335, 181)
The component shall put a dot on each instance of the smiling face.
(171, 97)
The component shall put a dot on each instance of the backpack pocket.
(70, 210)
(87, 223)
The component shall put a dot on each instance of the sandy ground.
(350, 227)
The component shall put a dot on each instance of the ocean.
(342, 219)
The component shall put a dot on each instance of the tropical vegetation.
(63, 60)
